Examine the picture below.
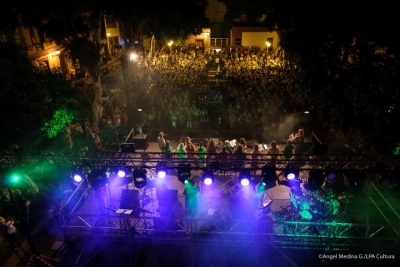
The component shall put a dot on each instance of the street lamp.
(108, 51)
(169, 44)
(268, 45)
(133, 57)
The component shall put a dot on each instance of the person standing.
(287, 150)
(190, 194)
(255, 155)
(201, 154)
(299, 142)
(223, 157)
(9, 232)
(23, 204)
(181, 152)
(168, 149)
(161, 141)
(239, 157)
(5, 205)
(189, 147)
(273, 150)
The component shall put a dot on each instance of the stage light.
(291, 173)
(161, 170)
(330, 175)
(244, 178)
(268, 174)
(208, 177)
(77, 176)
(98, 178)
(183, 172)
(121, 173)
(161, 173)
(15, 178)
(140, 177)
(315, 180)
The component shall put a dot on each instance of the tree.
(162, 19)
(77, 26)
(31, 99)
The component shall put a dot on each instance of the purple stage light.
(208, 181)
(78, 178)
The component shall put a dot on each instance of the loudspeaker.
(141, 141)
(129, 199)
(128, 147)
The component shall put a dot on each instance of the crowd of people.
(253, 85)
(8, 212)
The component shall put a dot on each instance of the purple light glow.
(77, 178)
(245, 182)
(208, 181)
(291, 176)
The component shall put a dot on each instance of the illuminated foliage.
(36, 102)
(57, 124)
(397, 150)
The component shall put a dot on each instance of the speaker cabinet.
(129, 199)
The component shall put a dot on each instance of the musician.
(228, 147)
(243, 142)
(190, 193)
(168, 150)
(287, 150)
(255, 154)
(161, 141)
(138, 129)
(211, 148)
(273, 149)
(239, 156)
(299, 142)
(189, 147)
(181, 152)
(201, 154)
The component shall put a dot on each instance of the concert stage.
(263, 217)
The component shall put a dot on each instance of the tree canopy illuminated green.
(35, 104)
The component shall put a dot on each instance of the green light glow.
(56, 125)
(14, 177)
(397, 150)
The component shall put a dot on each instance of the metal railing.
(289, 234)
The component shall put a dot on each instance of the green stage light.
(15, 177)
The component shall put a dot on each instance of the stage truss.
(336, 235)
(340, 162)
